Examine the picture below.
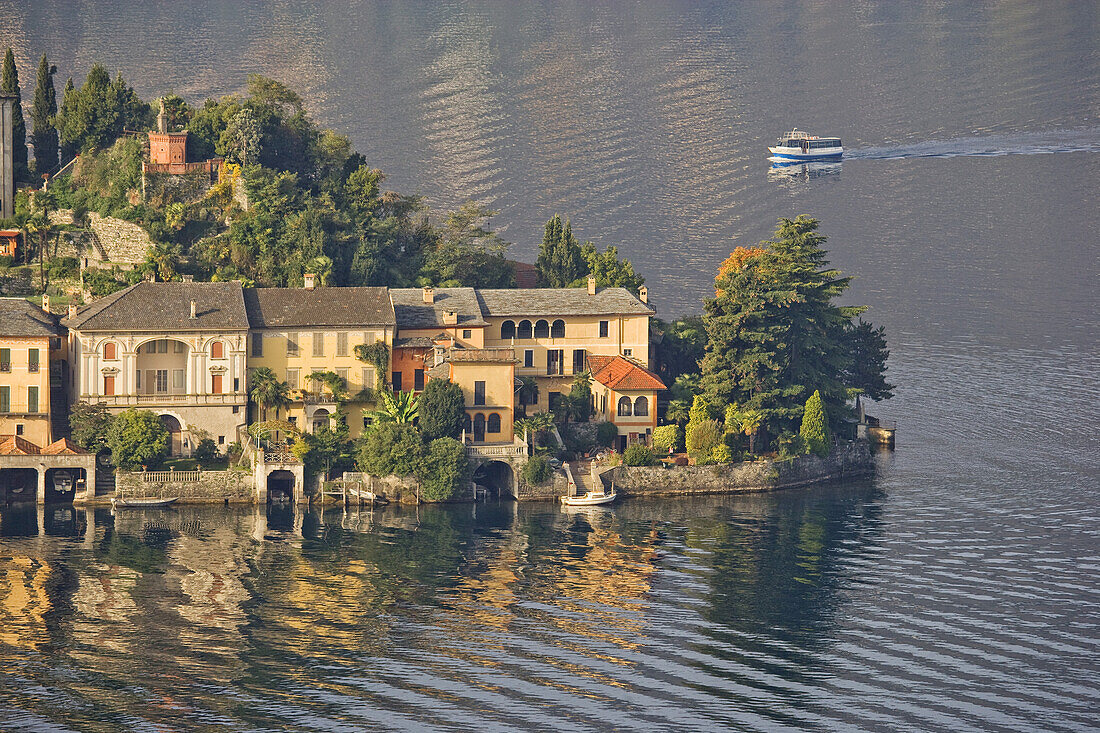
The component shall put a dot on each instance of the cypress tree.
(9, 84)
(69, 148)
(561, 261)
(815, 426)
(44, 137)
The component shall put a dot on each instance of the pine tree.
(69, 148)
(815, 426)
(867, 373)
(773, 331)
(9, 84)
(561, 261)
(44, 137)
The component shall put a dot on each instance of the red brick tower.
(168, 148)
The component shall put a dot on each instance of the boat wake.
(1085, 140)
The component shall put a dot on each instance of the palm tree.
(399, 407)
(535, 424)
(267, 391)
(747, 422)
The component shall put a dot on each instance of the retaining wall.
(213, 487)
(849, 460)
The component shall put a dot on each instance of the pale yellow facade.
(295, 354)
(488, 386)
(583, 335)
(25, 388)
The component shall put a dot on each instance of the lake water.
(956, 590)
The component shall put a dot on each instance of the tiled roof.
(63, 447)
(166, 307)
(548, 302)
(527, 276)
(318, 308)
(623, 375)
(413, 312)
(414, 342)
(13, 445)
(19, 317)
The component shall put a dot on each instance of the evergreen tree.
(561, 261)
(92, 117)
(773, 331)
(68, 102)
(442, 410)
(868, 352)
(9, 84)
(815, 426)
(44, 137)
(610, 271)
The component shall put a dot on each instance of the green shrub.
(537, 470)
(442, 410)
(638, 454)
(815, 426)
(721, 454)
(444, 470)
(5, 261)
(606, 433)
(206, 450)
(668, 439)
(391, 449)
(702, 437)
(137, 438)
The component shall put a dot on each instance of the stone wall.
(161, 189)
(213, 487)
(557, 486)
(849, 460)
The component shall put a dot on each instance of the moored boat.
(590, 499)
(152, 503)
(799, 145)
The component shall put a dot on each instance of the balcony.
(149, 400)
(517, 448)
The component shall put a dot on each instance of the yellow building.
(296, 332)
(431, 319)
(487, 378)
(554, 330)
(625, 394)
(30, 355)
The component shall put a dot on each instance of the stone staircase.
(104, 480)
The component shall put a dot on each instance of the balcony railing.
(173, 477)
(497, 450)
(33, 367)
(5, 366)
(167, 399)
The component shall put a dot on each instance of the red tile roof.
(623, 375)
(63, 447)
(13, 445)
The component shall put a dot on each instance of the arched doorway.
(280, 487)
(479, 428)
(175, 434)
(497, 477)
(18, 485)
(62, 483)
(320, 420)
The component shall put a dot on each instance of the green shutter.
(5, 360)
(5, 399)
(32, 359)
(32, 399)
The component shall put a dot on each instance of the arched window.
(624, 407)
(558, 329)
(217, 350)
(479, 427)
(524, 330)
(641, 407)
(493, 423)
(508, 330)
(467, 425)
(542, 329)
(110, 351)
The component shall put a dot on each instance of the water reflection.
(794, 171)
(459, 606)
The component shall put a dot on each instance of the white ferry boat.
(798, 145)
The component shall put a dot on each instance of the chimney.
(591, 284)
(310, 280)
(45, 302)
(189, 278)
(194, 311)
(643, 294)
(72, 310)
(429, 295)
(450, 318)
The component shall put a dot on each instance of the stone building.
(299, 331)
(31, 372)
(177, 349)
(7, 158)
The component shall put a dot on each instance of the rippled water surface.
(956, 590)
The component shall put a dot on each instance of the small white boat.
(590, 499)
(121, 503)
(799, 145)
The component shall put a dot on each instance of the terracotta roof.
(527, 275)
(166, 307)
(318, 308)
(19, 317)
(63, 447)
(13, 445)
(623, 375)
(412, 312)
(549, 302)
